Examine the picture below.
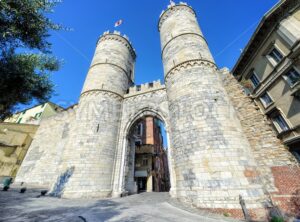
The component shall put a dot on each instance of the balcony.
(145, 149)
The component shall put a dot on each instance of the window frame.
(253, 73)
(263, 102)
(140, 129)
(287, 79)
(271, 59)
(145, 160)
(277, 125)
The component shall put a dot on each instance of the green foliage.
(226, 214)
(24, 26)
(277, 219)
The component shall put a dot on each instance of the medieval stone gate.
(212, 157)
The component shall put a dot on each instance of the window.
(140, 129)
(275, 55)
(138, 143)
(297, 154)
(19, 121)
(280, 123)
(138, 88)
(37, 115)
(266, 99)
(145, 162)
(292, 76)
(254, 80)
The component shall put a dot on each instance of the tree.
(25, 53)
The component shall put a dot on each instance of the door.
(142, 184)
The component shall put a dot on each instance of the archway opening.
(146, 165)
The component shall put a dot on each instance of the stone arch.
(146, 111)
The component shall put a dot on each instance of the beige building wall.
(273, 76)
(35, 114)
(15, 140)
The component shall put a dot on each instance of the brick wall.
(287, 181)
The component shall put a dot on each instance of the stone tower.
(211, 154)
(92, 149)
(216, 151)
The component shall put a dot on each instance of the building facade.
(34, 114)
(217, 152)
(15, 140)
(269, 68)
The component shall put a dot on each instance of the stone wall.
(147, 101)
(221, 145)
(277, 169)
(41, 164)
(92, 145)
(112, 66)
(89, 155)
(210, 151)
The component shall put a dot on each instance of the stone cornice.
(183, 34)
(165, 14)
(119, 38)
(101, 91)
(112, 64)
(193, 62)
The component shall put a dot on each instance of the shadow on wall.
(61, 181)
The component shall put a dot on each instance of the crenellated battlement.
(145, 88)
(173, 8)
(116, 35)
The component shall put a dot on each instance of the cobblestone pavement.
(17, 207)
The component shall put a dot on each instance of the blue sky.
(226, 24)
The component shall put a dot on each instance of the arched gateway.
(149, 100)
(213, 157)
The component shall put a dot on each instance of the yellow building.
(16, 135)
(15, 140)
(35, 114)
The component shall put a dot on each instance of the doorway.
(141, 184)
(147, 167)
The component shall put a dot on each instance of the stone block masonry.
(220, 145)
(41, 164)
(210, 150)
(277, 169)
